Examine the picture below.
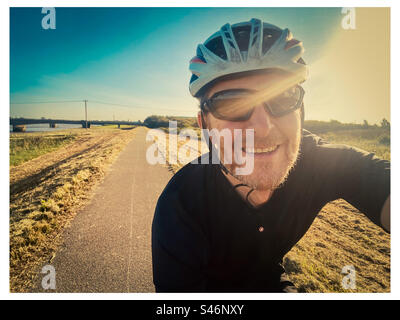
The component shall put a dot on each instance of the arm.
(360, 178)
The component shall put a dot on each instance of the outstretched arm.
(358, 177)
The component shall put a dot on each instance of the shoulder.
(178, 215)
(311, 142)
(312, 149)
(320, 153)
(188, 179)
(184, 193)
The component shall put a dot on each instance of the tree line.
(315, 126)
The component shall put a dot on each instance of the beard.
(270, 175)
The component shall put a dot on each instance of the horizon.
(173, 118)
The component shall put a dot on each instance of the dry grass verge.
(340, 236)
(46, 192)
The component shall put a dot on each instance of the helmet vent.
(217, 47)
(270, 36)
(193, 78)
(242, 35)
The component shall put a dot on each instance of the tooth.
(261, 150)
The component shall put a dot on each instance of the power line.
(115, 104)
(37, 102)
(130, 106)
(96, 101)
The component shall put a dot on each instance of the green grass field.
(27, 146)
(376, 140)
(24, 147)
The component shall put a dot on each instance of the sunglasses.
(239, 104)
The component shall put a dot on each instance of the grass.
(113, 126)
(371, 139)
(340, 236)
(46, 192)
(24, 147)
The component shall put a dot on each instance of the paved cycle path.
(108, 246)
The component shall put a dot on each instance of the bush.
(163, 121)
(385, 140)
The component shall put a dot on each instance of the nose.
(260, 121)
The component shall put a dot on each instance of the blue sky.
(135, 58)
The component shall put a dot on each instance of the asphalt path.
(107, 248)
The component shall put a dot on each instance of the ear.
(199, 123)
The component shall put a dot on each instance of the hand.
(385, 215)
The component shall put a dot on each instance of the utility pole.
(86, 113)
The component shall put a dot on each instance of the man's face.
(270, 168)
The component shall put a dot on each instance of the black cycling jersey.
(206, 238)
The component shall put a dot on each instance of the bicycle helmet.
(245, 47)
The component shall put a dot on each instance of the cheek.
(221, 125)
(290, 125)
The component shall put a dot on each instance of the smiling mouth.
(261, 150)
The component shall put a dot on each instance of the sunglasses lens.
(285, 102)
(232, 106)
(238, 105)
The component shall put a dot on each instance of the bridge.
(19, 124)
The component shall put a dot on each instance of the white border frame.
(4, 147)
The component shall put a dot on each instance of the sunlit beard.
(267, 175)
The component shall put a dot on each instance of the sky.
(130, 63)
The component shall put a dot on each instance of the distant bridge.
(19, 124)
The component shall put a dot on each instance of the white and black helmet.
(245, 47)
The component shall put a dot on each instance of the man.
(217, 231)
